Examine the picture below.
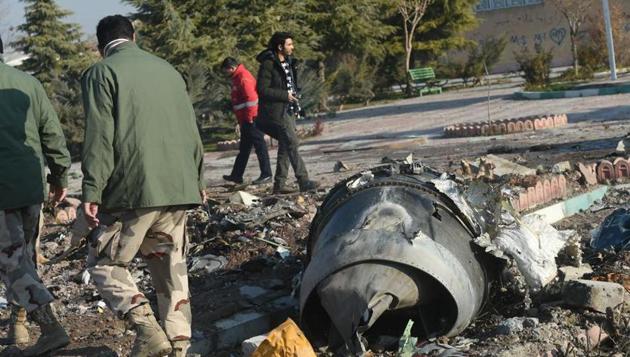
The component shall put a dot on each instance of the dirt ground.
(361, 138)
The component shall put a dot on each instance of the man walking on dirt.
(278, 92)
(142, 167)
(31, 135)
(245, 106)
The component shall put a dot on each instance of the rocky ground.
(238, 262)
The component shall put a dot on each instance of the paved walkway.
(361, 137)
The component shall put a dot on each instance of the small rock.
(340, 166)
(595, 336)
(244, 198)
(283, 253)
(251, 344)
(561, 167)
(621, 147)
(595, 295)
(589, 175)
(515, 325)
(574, 273)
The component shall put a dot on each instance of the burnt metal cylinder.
(387, 247)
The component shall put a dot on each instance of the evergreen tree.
(350, 32)
(53, 46)
(443, 28)
(57, 57)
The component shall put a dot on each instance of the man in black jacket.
(278, 106)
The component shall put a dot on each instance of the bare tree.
(411, 12)
(575, 12)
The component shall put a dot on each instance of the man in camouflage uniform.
(142, 166)
(29, 133)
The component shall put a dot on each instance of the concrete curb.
(234, 144)
(542, 193)
(573, 93)
(571, 206)
(608, 171)
(507, 126)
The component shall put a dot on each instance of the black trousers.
(251, 137)
(288, 144)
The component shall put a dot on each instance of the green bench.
(426, 78)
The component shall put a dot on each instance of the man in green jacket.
(30, 134)
(142, 167)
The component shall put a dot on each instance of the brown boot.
(151, 341)
(18, 334)
(180, 348)
(53, 335)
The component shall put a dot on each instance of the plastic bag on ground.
(286, 340)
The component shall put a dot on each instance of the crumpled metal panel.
(390, 245)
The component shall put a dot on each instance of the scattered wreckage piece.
(507, 126)
(259, 215)
(386, 247)
(614, 232)
(529, 189)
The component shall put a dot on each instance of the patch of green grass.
(554, 87)
(211, 136)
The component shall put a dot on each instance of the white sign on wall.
(491, 5)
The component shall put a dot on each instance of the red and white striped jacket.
(244, 95)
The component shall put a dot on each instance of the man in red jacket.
(245, 107)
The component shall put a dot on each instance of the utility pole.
(610, 41)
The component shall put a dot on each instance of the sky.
(87, 13)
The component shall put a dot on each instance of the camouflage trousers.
(159, 235)
(19, 231)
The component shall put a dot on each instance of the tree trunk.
(408, 49)
(574, 51)
(321, 73)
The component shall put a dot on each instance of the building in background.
(525, 23)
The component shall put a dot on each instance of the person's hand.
(292, 98)
(204, 196)
(91, 210)
(57, 194)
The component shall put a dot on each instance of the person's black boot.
(262, 180)
(231, 178)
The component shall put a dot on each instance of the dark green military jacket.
(29, 133)
(142, 147)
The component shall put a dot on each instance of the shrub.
(535, 67)
(481, 56)
(353, 81)
(313, 90)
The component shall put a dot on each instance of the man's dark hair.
(1, 47)
(113, 27)
(229, 62)
(278, 39)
